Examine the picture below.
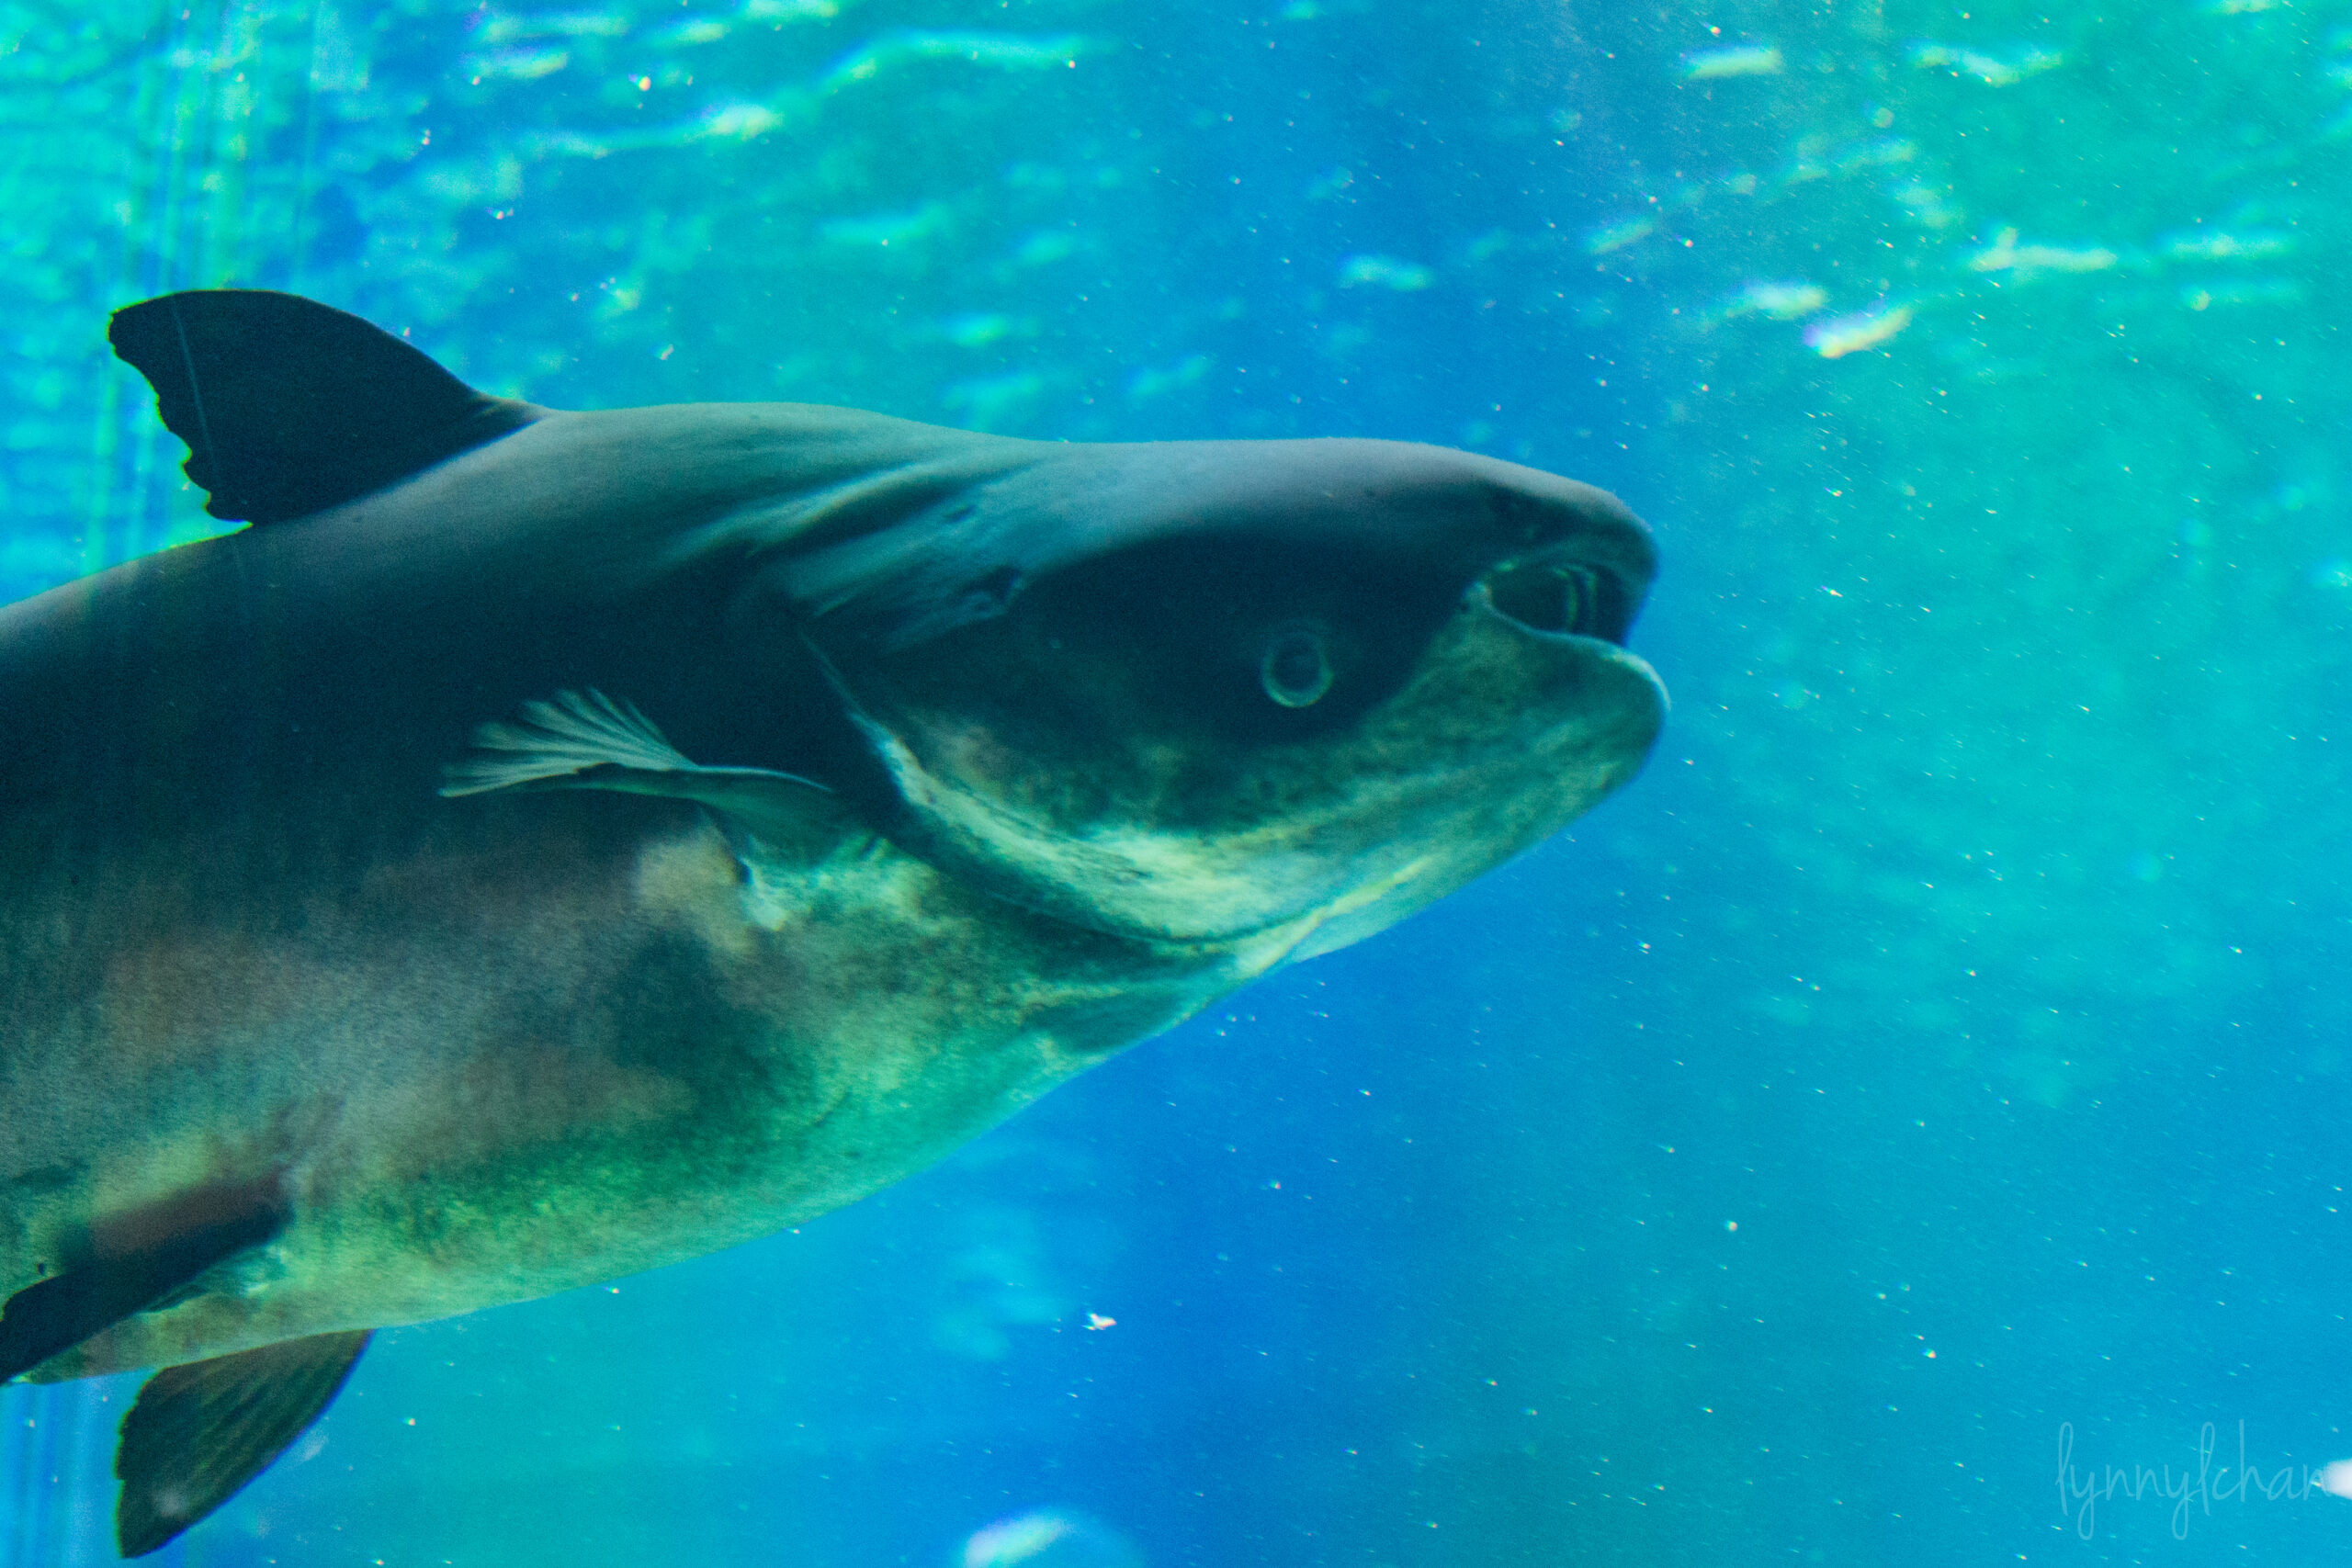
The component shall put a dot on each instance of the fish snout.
(1538, 649)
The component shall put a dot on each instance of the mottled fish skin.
(503, 1045)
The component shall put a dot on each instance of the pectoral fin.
(592, 741)
(131, 1261)
(200, 1431)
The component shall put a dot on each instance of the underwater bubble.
(1384, 272)
(2004, 254)
(1616, 236)
(2253, 245)
(1330, 185)
(1783, 300)
(1049, 1537)
(516, 65)
(1737, 60)
(1148, 382)
(742, 121)
(1991, 70)
(1842, 335)
(2250, 291)
(978, 329)
(987, 401)
(1007, 50)
(882, 229)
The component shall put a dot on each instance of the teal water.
(1918, 1092)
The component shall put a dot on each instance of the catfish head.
(1231, 693)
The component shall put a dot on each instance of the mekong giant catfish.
(544, 846)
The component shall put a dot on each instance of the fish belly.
(552, 1048)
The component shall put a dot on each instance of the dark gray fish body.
(640, 832)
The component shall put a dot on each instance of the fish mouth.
(1556, 592)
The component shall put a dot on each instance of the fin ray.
(199, 1432)
(574, 732)
(588, 740)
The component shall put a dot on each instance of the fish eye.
(1296, 669)
(1546, 597)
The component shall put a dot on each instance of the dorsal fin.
(289, 406)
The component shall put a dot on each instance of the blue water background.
(1944, 1044)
